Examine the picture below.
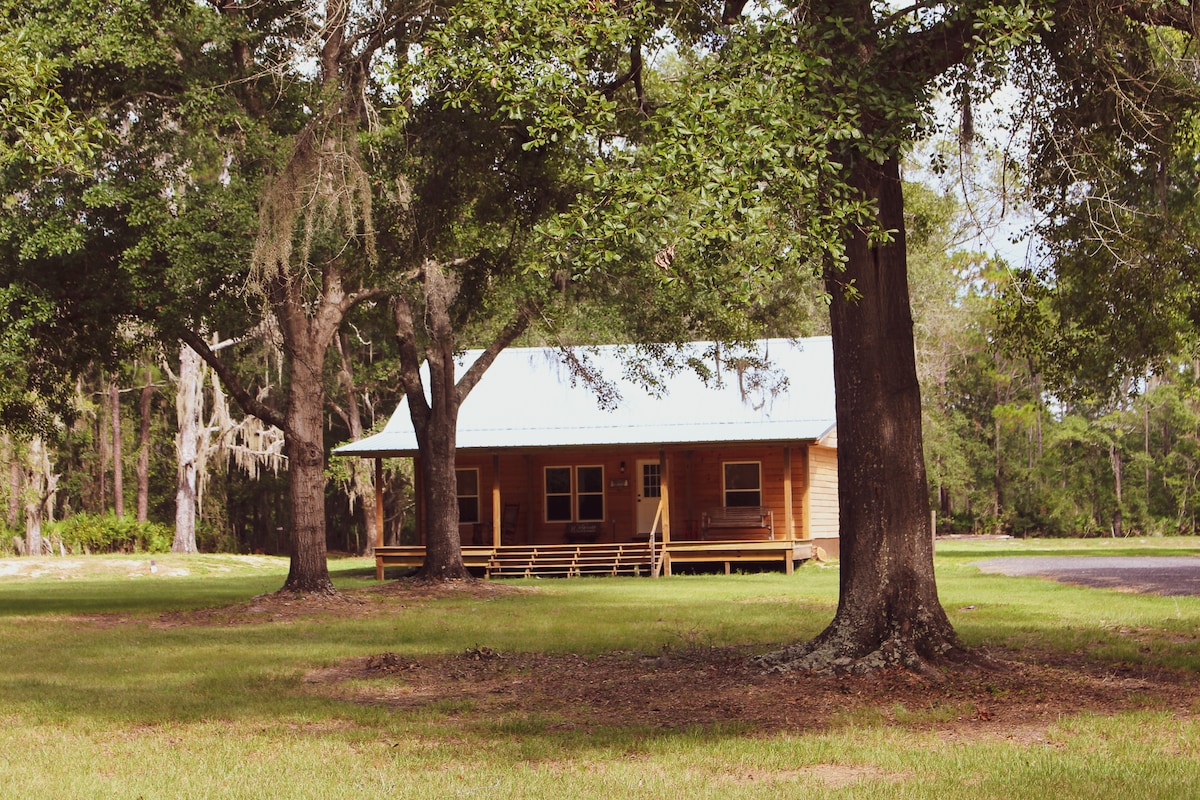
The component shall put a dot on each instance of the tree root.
(826, 655)
(321, 590)
(444, 576)
(421, 579)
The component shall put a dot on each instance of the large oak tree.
(794, 125)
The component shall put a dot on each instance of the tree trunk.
(435, 421)
(40, 484)
(304, 444)
(189, 397)
(443, 545)
(114, 405)
(362, 481)
(13, 517)
(143, 456)
(888, 610)
(1114, 455)
(998, 471)
(102, 444)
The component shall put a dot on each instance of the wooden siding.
(823, 493)
(695, 485)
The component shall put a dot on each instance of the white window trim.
(575, 494)
(725, 491)
(477, 495)
(546, 495)
(580, 494)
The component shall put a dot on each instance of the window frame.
(580, 494)
(569, 494)
(460, 496)
(726, 490)
(575, 495)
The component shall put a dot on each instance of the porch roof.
(532, 398)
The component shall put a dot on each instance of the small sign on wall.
(618, 483)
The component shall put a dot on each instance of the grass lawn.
(119, 681)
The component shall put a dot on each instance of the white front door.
(649, 486)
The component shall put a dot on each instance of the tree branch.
(926, 54)
(249, 404)
(634, 74)
(518, 325)
(410, 357)
(1179, 16)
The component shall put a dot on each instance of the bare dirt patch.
(717, 687)
(699, 687)
(386, 598)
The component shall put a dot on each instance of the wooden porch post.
(665, 500)
(789, 518)
(806, 494)
(496, 500)
(532, 499)
(689, 503)
(378, 516)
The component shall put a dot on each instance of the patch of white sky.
(984, 177)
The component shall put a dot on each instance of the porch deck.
(627, 558)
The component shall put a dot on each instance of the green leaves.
(542, 63)
(39, 129)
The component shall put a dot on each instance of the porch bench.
(582, 532)
(729, 521)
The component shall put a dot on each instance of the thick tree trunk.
(40, 483)
(188, 410)
(143, 455)
(435, 421)
(436, 425)
(443, 545)
(308, 572)
(114, 406)
(888, 609)
(34, 486)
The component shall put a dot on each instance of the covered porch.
(735, 468)
(611, 559)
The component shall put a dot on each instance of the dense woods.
(276, 180)
(1005, 454)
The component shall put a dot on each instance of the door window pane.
(651, 480)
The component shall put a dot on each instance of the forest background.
(1011, 446)
(1005, 454)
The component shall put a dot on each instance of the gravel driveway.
(1166, 575)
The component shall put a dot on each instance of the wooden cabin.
(568, 464)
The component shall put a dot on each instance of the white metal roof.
(529, 398)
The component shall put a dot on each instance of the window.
(651, 479)
(558, 494)
(574, 494)
(743, 483)
(468, 495)
(589, 493)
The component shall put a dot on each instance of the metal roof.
(531, 398)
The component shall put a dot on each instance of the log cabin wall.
(696, 484)
(823, 493)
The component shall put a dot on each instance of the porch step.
(565, 560)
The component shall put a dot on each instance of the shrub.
(212, 538)
(94, 533)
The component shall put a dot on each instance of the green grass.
(138, 709)
(1037, 612)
